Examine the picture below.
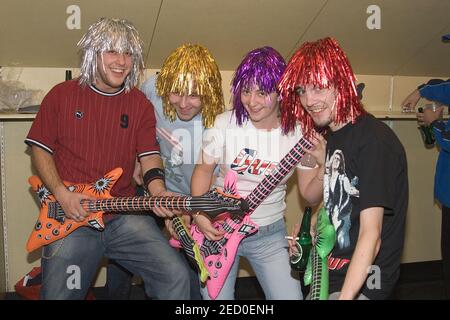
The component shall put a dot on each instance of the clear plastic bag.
(14, 95)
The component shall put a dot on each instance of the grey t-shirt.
(180, 142)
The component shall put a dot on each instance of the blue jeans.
(267, 253)
(69, 265)
(119, 280)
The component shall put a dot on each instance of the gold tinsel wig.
(191, 69)
(105, 35)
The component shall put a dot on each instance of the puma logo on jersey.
(79, 114)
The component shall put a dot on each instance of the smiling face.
(262, 107)
(186, 106)
(320, 104)
(112, 70)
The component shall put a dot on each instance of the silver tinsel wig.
(105, 35)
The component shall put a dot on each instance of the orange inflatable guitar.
(53, 225)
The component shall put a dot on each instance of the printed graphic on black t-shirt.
(339, 188)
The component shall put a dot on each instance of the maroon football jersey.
(90, 132)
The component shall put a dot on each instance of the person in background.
(434, 90)
(438, 90)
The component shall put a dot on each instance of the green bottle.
(427, 133)
(304, 243)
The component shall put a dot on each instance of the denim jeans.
(119, 280)
(267, 253)
(69, 265)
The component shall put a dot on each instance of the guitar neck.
(143, 203)
(270, 182)
(316, 283)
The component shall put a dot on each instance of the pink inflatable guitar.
(219, 255)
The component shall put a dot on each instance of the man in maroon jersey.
(85, 128)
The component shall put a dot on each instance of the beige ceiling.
(34, 33)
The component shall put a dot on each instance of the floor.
(418, 281)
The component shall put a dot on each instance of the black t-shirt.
(366, 167)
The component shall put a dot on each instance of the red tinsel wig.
(322, 64)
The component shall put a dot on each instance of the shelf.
(17, 116)
(397, 115)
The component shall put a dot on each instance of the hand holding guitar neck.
(163, 212)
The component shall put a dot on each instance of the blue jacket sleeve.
(436, 92)
(441, 130)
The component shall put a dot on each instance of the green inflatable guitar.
(316, 273)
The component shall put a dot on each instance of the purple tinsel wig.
(261, 67)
